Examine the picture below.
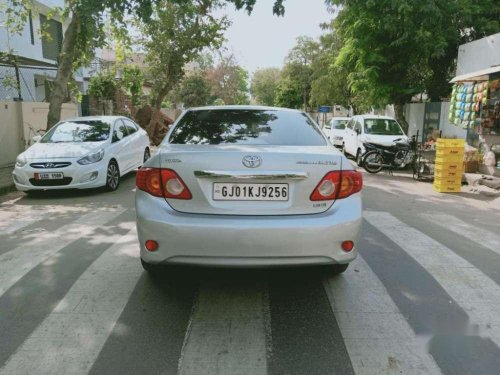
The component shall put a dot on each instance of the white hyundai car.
(250, 186)
(83, 152)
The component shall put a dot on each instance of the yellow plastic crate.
(457, 166)
(448, 189)
(450, 151)
(445, 174)
(448, 159)
(443, 142)
(449, 185)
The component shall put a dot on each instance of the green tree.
(194, 91)
(297, 73)
(228, 81)
(264, 85)
(174, 36)
(85, 31)
(132, 81)
(394, 49)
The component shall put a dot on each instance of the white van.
(382, 130)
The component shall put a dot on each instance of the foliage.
(103, 85)
(219, 101)
(297, 74)
(289, 94)
(132, 81)
(228, 81)
(393, 49)
(264, 85)
(194, 91)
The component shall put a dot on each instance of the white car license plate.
(49, 176)
(226, 191)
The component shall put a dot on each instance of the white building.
(35, 54)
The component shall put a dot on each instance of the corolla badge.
(252, 161)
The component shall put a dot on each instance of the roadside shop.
(475, 106)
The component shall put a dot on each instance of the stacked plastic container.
(449, 165)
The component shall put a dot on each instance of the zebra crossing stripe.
(17, 262)
(226, 333)
(69, 340)
(376, 334)
(473, 291)
(476, 234)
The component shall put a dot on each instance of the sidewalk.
(6, 183)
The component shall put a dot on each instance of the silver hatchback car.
(246, 186)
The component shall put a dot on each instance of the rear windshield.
(250, 127)
(340, 124)
(78, 131)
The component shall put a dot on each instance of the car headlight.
(20, 162)
(92, 158)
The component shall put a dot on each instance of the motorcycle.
(396, 156)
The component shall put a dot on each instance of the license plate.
(49, 176)
(226, 191)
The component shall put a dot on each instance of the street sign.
(324, 109)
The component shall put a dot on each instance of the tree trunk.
(399, 111)
(64, 71)
(152, 127)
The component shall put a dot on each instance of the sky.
(263, 40)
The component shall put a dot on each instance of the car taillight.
(162, 183)
(337, 185)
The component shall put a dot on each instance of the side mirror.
(358, 131)
(37, 138)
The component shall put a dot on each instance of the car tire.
(112, 176)
(147, 155)
(359, 158)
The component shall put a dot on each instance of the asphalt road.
(423, 297)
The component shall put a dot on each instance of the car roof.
(375, 117)
(341, 118)
(94, 118)
(242, 107)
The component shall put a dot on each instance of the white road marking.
(14, 222)
(17, 262)
(477, 294)
(477, 234)
(69, 340)
(377, 336)
(226, 333)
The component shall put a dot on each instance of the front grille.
(61, 182)
(50, 165)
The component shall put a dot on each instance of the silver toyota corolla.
(240, 186)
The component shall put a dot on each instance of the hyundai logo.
(49, 165)
(252, 161)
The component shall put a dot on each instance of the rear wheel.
(372, 162)
(112, 176)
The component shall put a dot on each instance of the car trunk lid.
(206, 169)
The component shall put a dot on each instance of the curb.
(7, 189)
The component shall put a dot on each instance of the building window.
(52, 37)
(32, 35)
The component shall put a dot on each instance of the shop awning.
(480, 75)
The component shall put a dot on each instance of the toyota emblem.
(252, 161)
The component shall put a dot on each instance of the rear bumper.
(247, 241)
